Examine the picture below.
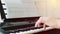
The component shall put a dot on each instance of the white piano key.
(5, 11)
(20, 33)
(17, 33)
(4, 6)
(12, 33)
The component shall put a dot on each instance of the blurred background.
(31, 8)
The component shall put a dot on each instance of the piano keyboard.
(33, 31)
(24, 29)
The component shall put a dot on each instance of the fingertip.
(38, 25)
(35, 25)
(44, 26)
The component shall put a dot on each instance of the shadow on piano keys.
(26, 26)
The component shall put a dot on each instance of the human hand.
(49, 21)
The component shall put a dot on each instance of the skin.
(50, 21)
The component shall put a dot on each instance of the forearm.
(58, 24)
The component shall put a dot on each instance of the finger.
(44, 26)
(36, 25)
(38, 22)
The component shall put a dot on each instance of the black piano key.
(3, 3)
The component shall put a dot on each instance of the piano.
(24, 25)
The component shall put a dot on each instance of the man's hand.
(52, 22)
